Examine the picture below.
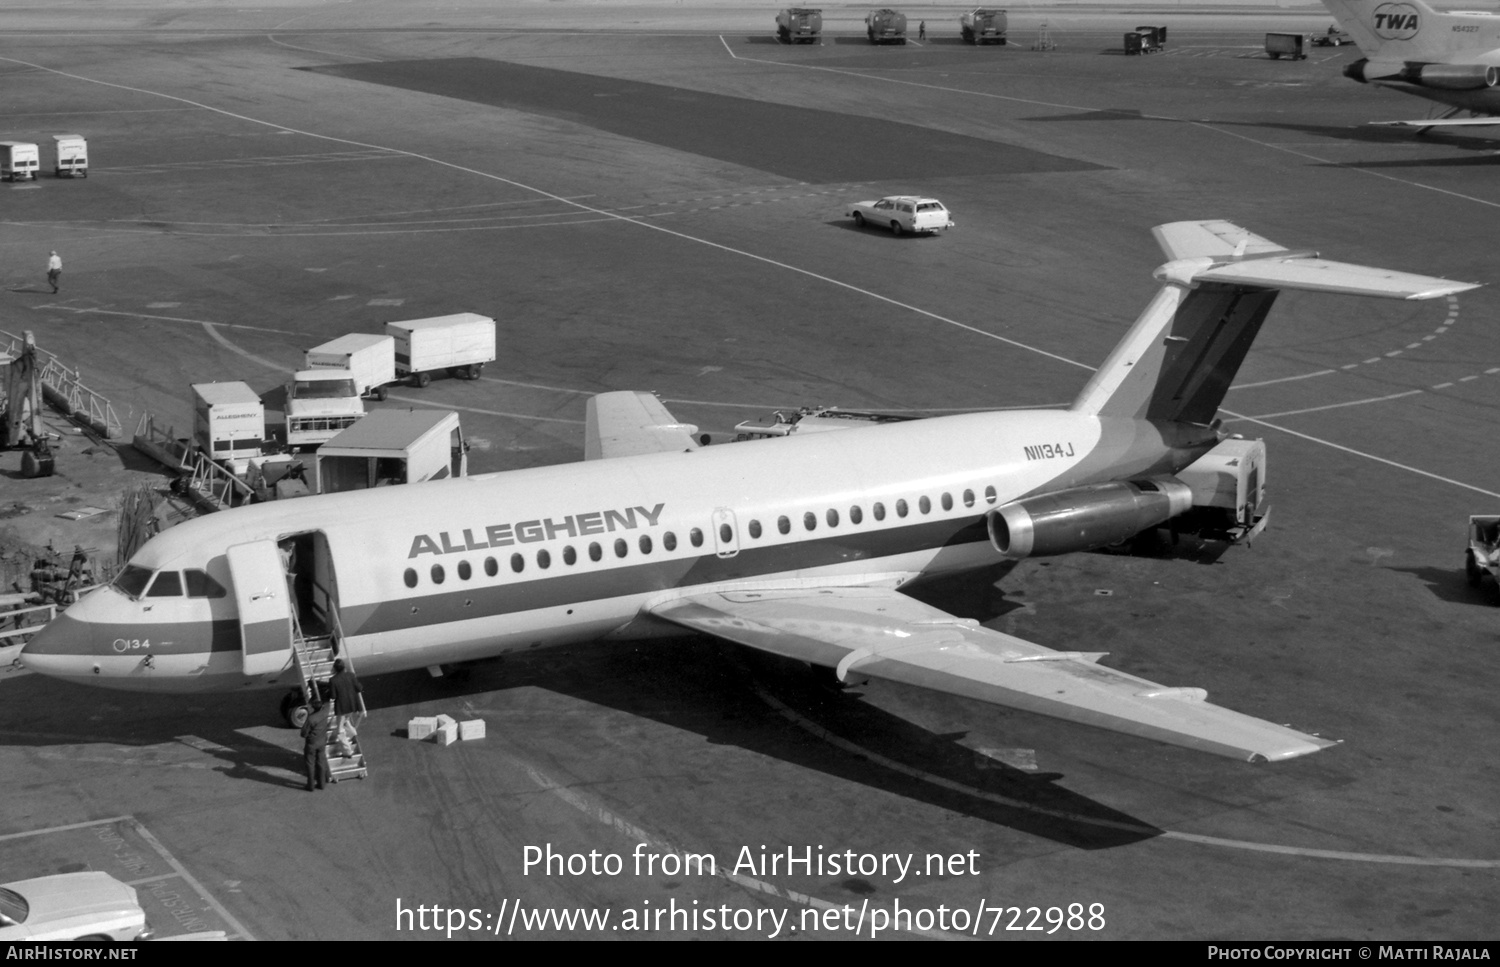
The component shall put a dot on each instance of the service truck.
(459, 344)
(393, 447)
(983, 25)
(320, 403)
(885, 26)
(1285, 45)
(18, 160)
(229, 423)
(1229, 490)
(369, 358)
(70, 156)
(800, 25)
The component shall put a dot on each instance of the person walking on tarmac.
(54, 270)
(315, 744)
(922, 30)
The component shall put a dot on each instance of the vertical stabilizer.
(1410, 30)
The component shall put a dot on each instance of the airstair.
(314, 656)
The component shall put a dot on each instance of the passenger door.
(263, 605)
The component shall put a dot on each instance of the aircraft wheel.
(292, 709)
(1472, 570)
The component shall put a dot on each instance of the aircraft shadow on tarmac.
(1364, 133)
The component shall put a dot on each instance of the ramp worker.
(54, 270)
(315, 744)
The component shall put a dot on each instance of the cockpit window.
(200, 585)
(168, 584)
(133, 580)
(13, 908)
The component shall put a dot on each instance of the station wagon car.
(903, 213)
(71, 906)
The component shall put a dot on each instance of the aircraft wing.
(1439, 123)
(626, 423)
(881, 632)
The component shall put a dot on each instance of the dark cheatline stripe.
(801, 143)
(458, 600)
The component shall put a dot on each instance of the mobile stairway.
(314, 657)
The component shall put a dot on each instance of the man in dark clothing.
(315, 745)
(346, 691)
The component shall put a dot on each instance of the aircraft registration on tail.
(798, 546)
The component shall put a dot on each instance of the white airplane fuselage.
(455, 570)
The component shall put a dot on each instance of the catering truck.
(459, 345)
(19, 160)
(70, 156)
(369, 358)
(983, 25)
(885, 26)
(393, 447)
(800, 25)
(229, 423)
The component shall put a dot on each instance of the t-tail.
(1179, 358)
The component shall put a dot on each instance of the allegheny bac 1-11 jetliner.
(1449, 57)
(797, 546)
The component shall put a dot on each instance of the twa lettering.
(530, 531)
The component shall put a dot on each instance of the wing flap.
(883, 633)
(627, 422)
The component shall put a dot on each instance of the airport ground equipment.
(320, 403)
(229, 423)
(391, 447)
(1483, 555)
(800, 25)
(314, 655)
(63, 389)
(1229, 490)
(1146, 40)
(810, 419)
(370, 359)
(19, 160)
(1333, 38)
(70, 156)
(1044, 39)
(22, 427)
(885, 26)
(459, 344)
(1285, 45)
(983, 25)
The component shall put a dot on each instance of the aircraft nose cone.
(65, 648)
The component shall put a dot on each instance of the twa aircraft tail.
(1179, 358)
(1410, 30)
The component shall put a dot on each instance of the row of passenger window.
(438, 573)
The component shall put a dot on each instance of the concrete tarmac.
(652, 198)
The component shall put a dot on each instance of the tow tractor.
(1483, 555)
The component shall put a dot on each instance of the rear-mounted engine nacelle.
(1086, 517)
(1454, 77)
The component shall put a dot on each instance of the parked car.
(71, 906)
(903, 213)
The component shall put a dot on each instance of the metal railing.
(63, 388)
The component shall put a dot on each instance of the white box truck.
(71, 156)
(18, 160)
(229, 423)
(393, 447)
(369, 358)
(459, 344)
(320, 403)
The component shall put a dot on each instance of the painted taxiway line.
(623, 826)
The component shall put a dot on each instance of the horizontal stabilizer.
(882, 633)
(1213, 238)
(627, 423)
(1313, 274)
(1484, 122)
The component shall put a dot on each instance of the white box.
(443, 721)
(446, 734)
(473, 729)
(421, 727)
